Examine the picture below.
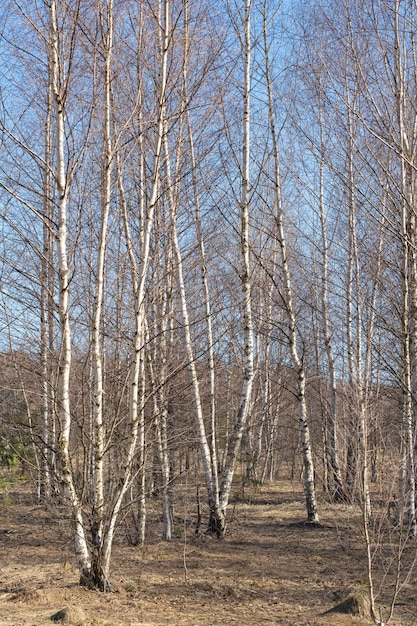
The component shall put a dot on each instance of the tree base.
(355, 604)
(217, 523)
(95, 580)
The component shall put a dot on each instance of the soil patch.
(271, 568)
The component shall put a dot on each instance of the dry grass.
(270, 569)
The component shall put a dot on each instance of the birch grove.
(208, 258)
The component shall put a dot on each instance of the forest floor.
(271, 568)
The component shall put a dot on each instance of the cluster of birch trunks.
(208, 254)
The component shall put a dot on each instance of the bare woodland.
(208, 265)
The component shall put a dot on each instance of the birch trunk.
(355, 350)
(308, 464)
(266, 415)
(158, 367)
(209, 453)
(407, 498)
(352, 448)
(63, 394)
(46, 319)
(142, 512)
(246, 395)
(140, 522)
(199, 419)
(98, 576)
(333, 447)
(137, 366)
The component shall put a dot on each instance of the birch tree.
(97, 522)
(406, 146)
(61, 180)
(218, 495)
(287, 297)
(209, 452)
(47, 319)
(245, 276)
(316, 117)
(94, 558)
(338, 489)
(137, 364)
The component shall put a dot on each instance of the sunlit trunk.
(309, 479)
(245, 275)
(63, 394)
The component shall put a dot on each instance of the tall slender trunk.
(141, 515)
(199, 418)
(266, 411)
(355, 330)
(212, 480)
(140, 522)
(99, 578)
(407, 471)
(63, 394)
(158, 364)
(142, 512)
(309, 479)
(47, 444)
(137, 367)
(407, 486)
(333, 447)
(245, 269)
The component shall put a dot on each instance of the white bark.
(63, 397)
(46, 318)
(246, 395)
(161, 415)
(357, 452)
(266, 421)
(338, 489)
(157, 362)
(199, 418)
(309, 481)
(407, 475)
(141, 521)
(208, 453)
(137, 366)
(106, 18)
